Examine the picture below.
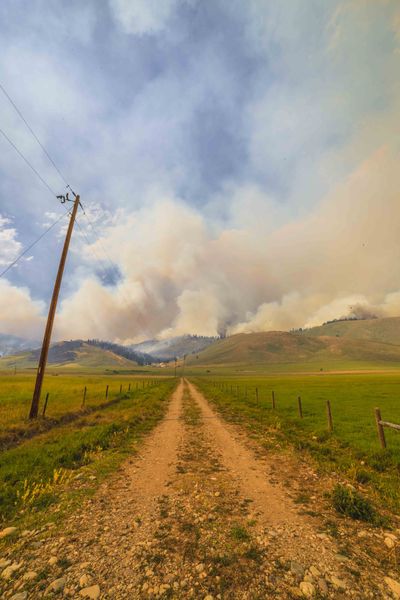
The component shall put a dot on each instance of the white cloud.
(143, 16)
(10, 247)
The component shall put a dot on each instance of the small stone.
(362, 533)
(19, 596)
(4, 562)
(389, 542)
(84, 581)
(208, 597)
(393, 585)
(217, 494)
(297, 569)
(10, 570)
(7, 531)
(92, 592)
(53, 560)
(323, 586)
(337, 583)
(57, 585)
(30, 576)
(307, 589)
(314, 572)
(200, 568)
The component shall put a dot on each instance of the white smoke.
(180, 276)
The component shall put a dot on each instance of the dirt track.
(201, 512)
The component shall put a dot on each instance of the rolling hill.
(73, 354)
(279, 347)
(385, 330)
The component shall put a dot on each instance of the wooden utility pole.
(50, 319)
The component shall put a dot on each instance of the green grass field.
(38, 473)
(65, 394)
(352, 449)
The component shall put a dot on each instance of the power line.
(52, 192)
(104, 266)
(89, 243)
(7, 95)
(97, 235)
(33, 244)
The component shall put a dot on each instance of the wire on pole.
(14, 262)
(18, 111)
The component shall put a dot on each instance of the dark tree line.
(140, 357)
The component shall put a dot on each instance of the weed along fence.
(94, 398)
(311, 413)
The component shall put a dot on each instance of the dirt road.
(200, 512)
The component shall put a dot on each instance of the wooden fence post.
(129, 387)
(273, 400)
(381, 431)
(107, 392)
(84, 398)
(329, 415)
(120, 388)
(257, 396)
(45, 404)
(300, 407)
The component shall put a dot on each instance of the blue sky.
(221, 148)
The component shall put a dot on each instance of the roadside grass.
(65, 395)
(349, 502)
(49, 473)
(351, 450)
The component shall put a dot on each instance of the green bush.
(350, 503)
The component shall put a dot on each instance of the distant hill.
(385, 330)
(275, 347)
(175, 347)
(75, 353)
(140, 358)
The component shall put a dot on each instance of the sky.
(237, 161)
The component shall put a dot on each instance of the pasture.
(352, 449)
(65, 394)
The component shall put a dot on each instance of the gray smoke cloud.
(178, 276)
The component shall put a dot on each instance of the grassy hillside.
(380, 330)
(69, 355)
(276, 347)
